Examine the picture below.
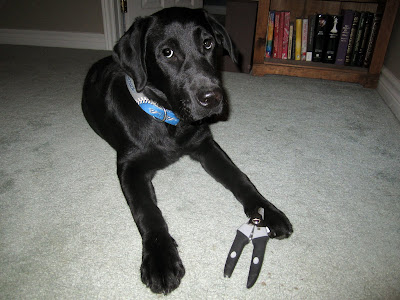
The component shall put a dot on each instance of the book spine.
(310, 37)
(298, 38)
(353, 33)
(285, 41)
(290, 43)
(270, 34)
(304, 35)
(357, 42)
(371, 43)
(334, 26)
(294, 42)
(344, 37)
(365, 39)
(281, 25)
(320, 33)
(276, 34)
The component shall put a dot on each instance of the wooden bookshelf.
(368, 77)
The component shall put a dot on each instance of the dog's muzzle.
(211, 98)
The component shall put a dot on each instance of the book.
(320, 35)
(359, 35)
(372, 39)
(270, 33)
(333, 31)
(286, 26)
(277, 41)
(304, 34)
(310, 37)
(365, 39)
(352, 37)
(344, 37)
(290, 42)
(294, 42)
(281, 26)
(299, 29)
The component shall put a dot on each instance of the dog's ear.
(130, 52)
(222, 37)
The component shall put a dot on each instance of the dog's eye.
(208, 44)
(168, 53)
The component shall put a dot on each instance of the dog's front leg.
(162, 268)
(217, 163)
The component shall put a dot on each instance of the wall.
(392, 58)
(60, 23)
(389, 81)
(50, 15)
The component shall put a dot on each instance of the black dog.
(169, 57)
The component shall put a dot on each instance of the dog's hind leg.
(162, 268)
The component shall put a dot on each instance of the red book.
(281, 23)
(277, 40)
(285, 16)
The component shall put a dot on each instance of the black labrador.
(152, 101)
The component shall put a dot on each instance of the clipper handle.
(237, 247)
(257, 259)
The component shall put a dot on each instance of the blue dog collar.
(149, 106)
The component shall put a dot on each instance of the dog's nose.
(210, 99)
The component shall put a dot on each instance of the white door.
(136, 8)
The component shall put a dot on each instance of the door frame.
(112, 22)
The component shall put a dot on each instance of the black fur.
(188, 84)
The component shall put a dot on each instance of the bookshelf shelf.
(368, 77)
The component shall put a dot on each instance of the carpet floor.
(326, 153)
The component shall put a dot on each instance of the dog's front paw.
(278, 223)
(162, 268)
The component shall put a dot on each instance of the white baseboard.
(389, 89)
(64, 39)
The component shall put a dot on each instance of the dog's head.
(171, 54)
